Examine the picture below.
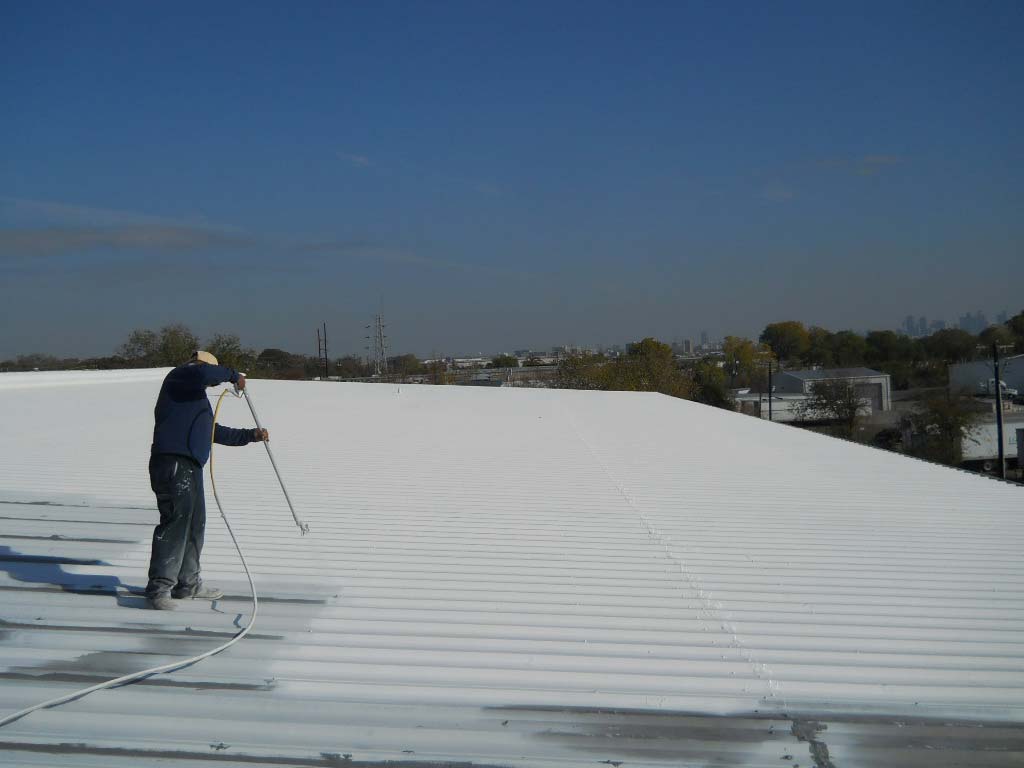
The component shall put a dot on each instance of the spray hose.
(174, 666)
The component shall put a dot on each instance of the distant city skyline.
(494, 176)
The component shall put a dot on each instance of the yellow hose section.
(213, 434)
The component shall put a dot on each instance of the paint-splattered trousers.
(177, 482)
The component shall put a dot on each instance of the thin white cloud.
(356, 161)
(40, 228)
(60, 229)
(56, 241)
(18, 211)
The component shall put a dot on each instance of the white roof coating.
(513, 577)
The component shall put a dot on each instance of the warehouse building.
(873, 386)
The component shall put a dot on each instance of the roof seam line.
(711, 608)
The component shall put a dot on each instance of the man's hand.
(260, 435)
(240, 384)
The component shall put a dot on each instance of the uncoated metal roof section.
(507, 577)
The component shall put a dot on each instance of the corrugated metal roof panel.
(504, 576)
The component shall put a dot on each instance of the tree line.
(648, 364)
(173, 345)
(911, 362)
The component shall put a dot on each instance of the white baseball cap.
(203, 356)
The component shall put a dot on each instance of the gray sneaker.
(202, 592)
(162, 603)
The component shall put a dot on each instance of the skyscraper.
(975, 323)
(703, 338)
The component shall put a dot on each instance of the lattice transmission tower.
(377, 344)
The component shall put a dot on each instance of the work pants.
(177, 482)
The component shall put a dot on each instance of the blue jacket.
(184, 416)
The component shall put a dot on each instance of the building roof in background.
(813, 374)
(1003, 361)
(509, 577)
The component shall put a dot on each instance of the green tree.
(951, 345)
(228, 350)
(886, 347)
(310, 367)
(904, 359)
(41, 362)
(941, 424)
(176, 345)
(789, 340)
(649, 366)
(532, 362)
(272, 357)
(745, 361)
(141, 348)
(582, 372)
(710, 384)
(352, 367)
(274, 363)
(849, 349)
(504, 361)
(405, 365)
(1016, 326)
(173, 345)
(819, 348)
(997, 334)
(836, 401)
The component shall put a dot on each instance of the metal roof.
(813, 374)
(507, 577)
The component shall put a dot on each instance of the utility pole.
(321, 349)
(999, 410)
(999, 407)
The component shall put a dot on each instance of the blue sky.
(497, 175)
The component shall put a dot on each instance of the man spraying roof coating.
(181, 446)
